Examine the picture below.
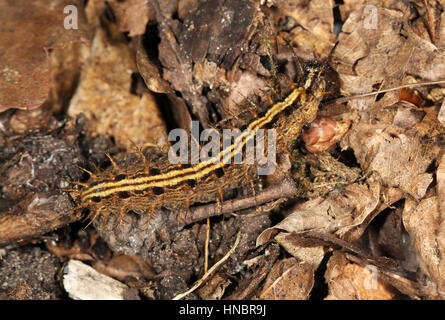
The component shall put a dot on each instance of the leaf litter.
(369, 201)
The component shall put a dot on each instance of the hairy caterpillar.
(149, 186)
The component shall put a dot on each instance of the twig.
(286, 189)
(213, 268)
(410, 85)
(206, 249)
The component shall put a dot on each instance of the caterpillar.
(146, 187)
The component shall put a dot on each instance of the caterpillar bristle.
(113, 163)
(93, 216)
(88, 217)
(88, 171)
(150, 214)
(267, 95)
(179, 217)
(252, 109)
(121, 217)
(106, 217)
(291, 84)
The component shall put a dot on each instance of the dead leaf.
(425, 225)
(315, 21)
(400, 160)
(350, 281)
(372, 54)
(334, 214)
(215, 288)
(212, 37)
(288, 280)
(301, 249)
(150, 72)
(407, 117)
(66, 68)
(441, 115)
(430, 125)
(30, 29)
(440, 177)
(124, 266)
(131, 15)
(318, 214)
(104, 96)
(75, 252)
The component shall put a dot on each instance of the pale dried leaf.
(426, 227)
(312, 255)
(289, 280)
(350, 281)
(440, 177)
(400, 160)
(131, 15)
(104, 96)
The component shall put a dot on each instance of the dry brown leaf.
(123, 266)
(400, 160)
(66, 67)
(426, 227)
(363, 200)
(372, 55)
(350, 281)
(104, 96)
(94, 11)
(440, 177)
(239, 89)
(75, 252)
(407, 117)
(150, 72)
(131, 15)
(427, 61)
(288, 280)
(430, 125)
(29, 30)
(346, 215)
(315, 22)
(154, 82)
(318, 214)
(301, 249)
(441, 115)
(337, 213)
(214, 31)
(392, 238)
(214, 288)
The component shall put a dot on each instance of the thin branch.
(213, 268)
(206, 259)
(410, 85)
(286, 189)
